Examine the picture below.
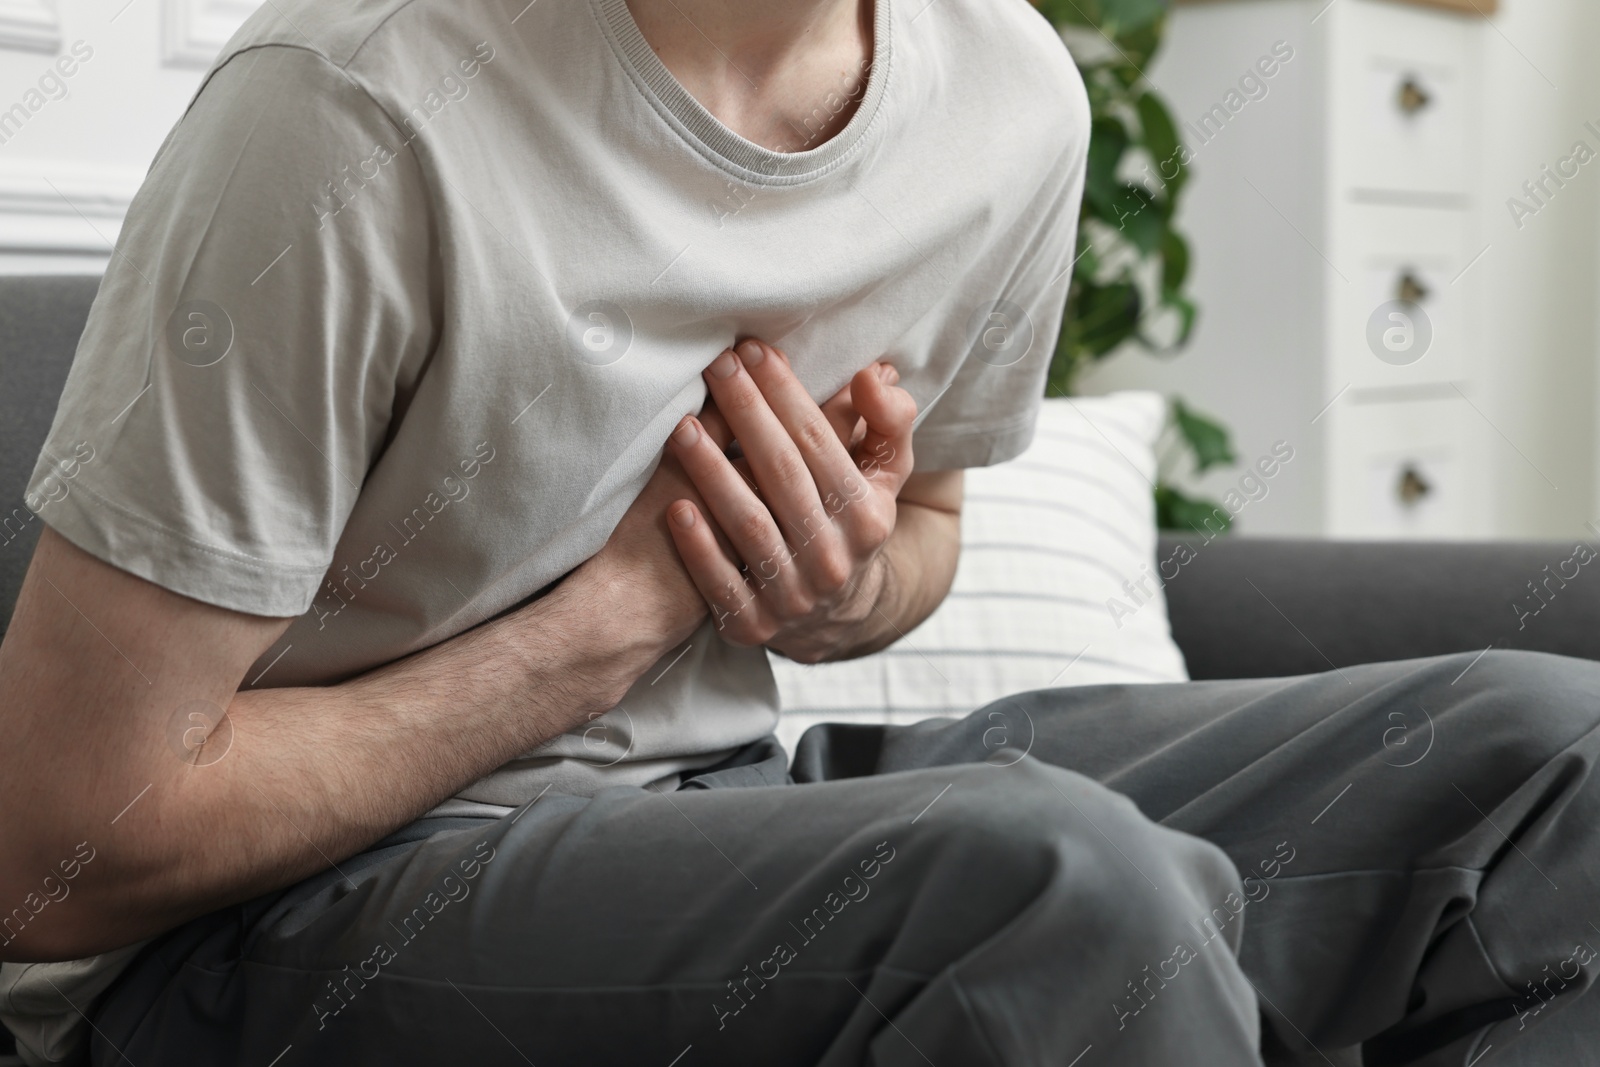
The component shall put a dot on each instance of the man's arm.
(98, 666)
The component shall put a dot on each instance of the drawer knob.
(1412, 486)
(1409, 289)
(1412, 97)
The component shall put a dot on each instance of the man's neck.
(786, 74)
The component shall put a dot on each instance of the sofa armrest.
(1255, 608)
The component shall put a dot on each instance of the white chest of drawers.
(1405, 439)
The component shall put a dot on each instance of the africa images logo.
(199, 333)
(1399, 332)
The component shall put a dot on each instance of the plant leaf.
(1087, 262)
(1139, 219)
(1070, 12)
(1106, 315)
(1131, 15)
(1174, 262)
(1175, 510)
(1206, 438)
(1161, 141)
(1108, 140)
(1188, 313)
(1113, 16)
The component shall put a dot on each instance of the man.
(383, 692)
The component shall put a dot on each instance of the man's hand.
(798, 565)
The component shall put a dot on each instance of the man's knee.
(1032, 836)
(1532, 700)
(1518, 670)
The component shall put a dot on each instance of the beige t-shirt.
(415, 291)
(399, 324)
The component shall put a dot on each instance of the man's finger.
(838, 408)
(776, 459)
(817, 437)
(841, 414)
(742, 516)
(733, 603)
(889, 413)
(715, 424)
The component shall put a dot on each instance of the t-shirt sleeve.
(1008, 313)
(267, 307)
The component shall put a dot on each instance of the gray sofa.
(1241, 608)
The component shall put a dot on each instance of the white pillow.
(1039, 600)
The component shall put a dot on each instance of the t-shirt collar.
(717, 142)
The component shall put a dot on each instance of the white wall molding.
(30, 26)
(194, 31)
(63, 210)
(69, 172)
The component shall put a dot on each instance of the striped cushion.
(1048, 541)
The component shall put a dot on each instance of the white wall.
(69, 165)
(1541, 282)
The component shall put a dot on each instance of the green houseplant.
(1133, 263)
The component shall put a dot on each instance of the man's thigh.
(1418, 839)
(987, 913)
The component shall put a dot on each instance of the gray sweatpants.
(1402, 855)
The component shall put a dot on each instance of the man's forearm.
(315, 774)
